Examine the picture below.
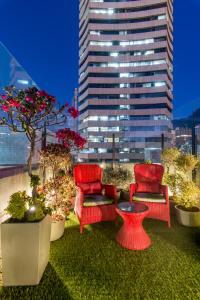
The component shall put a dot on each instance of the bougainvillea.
(59, 189)
(30, 111)
(56, 157)
(70, 139)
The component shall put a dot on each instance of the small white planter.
(57, 229)
(25, 251)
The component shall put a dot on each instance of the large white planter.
(25, 251)
(57, 229)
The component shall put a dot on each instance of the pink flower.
(4, 97)
(13, 103)
(23, 110)
(42, 94)
(29, 99)
(70, 139)
(73, 112)
(52, 99)
(5, 108)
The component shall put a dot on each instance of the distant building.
(125, 78)
(183, 138)
(11, 72)
(14, 147)
(197, 129)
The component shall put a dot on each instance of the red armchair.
(149, 189)
(94, 202)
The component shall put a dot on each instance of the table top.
(135, 207)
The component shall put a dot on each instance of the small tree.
(169, 157)
(30, 111)
(60, 189)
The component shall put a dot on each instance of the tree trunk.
(30, 158)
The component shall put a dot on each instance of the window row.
(156, 84)
(111, 11)
(125, 75)
(126, 118)
(126, 107)
(101, 139)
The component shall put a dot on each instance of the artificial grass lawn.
(94, 266)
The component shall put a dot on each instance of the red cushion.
(84, 187)
(91, 188)
(148, 187)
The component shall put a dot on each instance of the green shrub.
(119, 176)
(187, 195)
(185, 191)
(24, 208)
(17, 205)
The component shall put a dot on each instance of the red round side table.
(132, 234)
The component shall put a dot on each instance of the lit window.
(22, 81)
(160, 83)
(126, 75)
(114, 54)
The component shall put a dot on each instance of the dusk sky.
(43, 36)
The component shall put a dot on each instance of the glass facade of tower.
(14, 147)
(125, 78)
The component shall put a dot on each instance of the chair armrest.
(79, 196)
(164, 191)
(110, 191)
(133, 187)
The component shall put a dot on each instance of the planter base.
(25, 251)
(187, 218)
(57, 229)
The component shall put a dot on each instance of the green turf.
(93, 266)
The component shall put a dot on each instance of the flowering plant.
(70, 139)
(59, 192)
(30, 111)
(59, 189)
(56, 157)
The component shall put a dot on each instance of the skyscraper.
(14, 147)
(125, 78)
(11, 72)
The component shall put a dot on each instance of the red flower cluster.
(30, 102)
(73, 112)
(70, 139)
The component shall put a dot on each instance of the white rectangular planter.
(25, 251)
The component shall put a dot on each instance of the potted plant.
(60, 188)
(25, 237)
(119, 176)
(186, 193)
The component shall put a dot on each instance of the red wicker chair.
(88, 180)
(149, 189)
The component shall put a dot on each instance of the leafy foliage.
(29, 111)
(186, 163)
(169, 157)
(17, 205)
(185, 192)
(59, 189)
(35, 180)
(70, 139)
(56, 157)
(119, 176)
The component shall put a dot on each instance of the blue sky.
(43, 36)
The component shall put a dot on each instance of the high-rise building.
(11, 71)
(125, 78)
(14, 147)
